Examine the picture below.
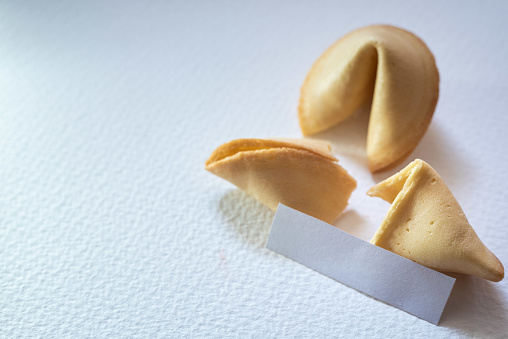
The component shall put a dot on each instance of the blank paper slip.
(367, 268)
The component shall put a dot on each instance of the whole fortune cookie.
(385, 64)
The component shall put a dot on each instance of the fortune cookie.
(302, 174)
(426, 224)
(389, 65)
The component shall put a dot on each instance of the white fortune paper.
(367, 268)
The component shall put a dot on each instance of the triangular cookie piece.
(426, 224)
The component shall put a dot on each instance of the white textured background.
(110, 226)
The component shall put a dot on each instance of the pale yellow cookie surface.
(426, 224)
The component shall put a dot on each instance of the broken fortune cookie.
(299, 173)
(387, 64)
(426, 224)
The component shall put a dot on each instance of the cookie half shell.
(299, 173)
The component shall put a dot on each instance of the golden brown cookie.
(387, 64)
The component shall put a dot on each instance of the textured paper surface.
(367, 268)
(110, 226)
